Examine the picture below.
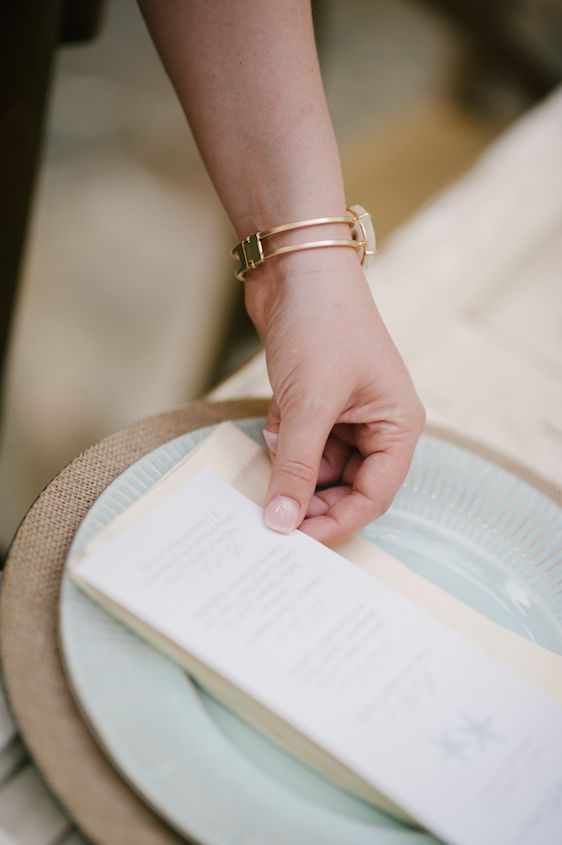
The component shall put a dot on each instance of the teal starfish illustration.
(450, 747)
(480, 730)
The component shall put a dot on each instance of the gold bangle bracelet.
(250, 251)
(302, 224)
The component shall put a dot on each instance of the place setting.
(179, 673)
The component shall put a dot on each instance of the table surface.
(470, 289)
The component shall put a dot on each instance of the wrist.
(275, 263)
(299, 280)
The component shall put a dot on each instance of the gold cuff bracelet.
(250, 251)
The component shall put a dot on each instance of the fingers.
(335, 460)
(302, 436)
(323, 500)
(377, 480)
(366, 464)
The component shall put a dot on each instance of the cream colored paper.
(339, 663)
(240, 461)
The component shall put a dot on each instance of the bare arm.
(247, 75)
(344, 411)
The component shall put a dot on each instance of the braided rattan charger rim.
(106, 809)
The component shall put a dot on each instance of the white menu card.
(443, 730)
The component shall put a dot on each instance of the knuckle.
(299, 470)
(416, 417)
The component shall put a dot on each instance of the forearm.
(247, 75)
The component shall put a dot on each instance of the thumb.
(302, 438)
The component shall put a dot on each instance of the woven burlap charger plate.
(107, 810)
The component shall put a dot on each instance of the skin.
(344, 413)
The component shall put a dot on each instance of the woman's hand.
(344, 409)
(344, 414)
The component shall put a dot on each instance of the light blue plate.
(461, 521)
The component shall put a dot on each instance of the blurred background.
(126, 304)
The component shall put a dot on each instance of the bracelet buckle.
(249, 252)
